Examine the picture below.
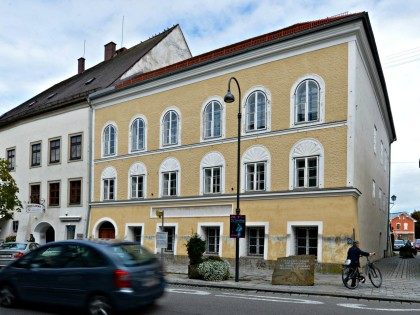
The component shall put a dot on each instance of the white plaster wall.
(170, 50)
(367, 112)
(20, 136)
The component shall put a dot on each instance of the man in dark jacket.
(354, 254)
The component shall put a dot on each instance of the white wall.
(49, 126)
(364, 105)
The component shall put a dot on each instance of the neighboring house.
(402, 226)
(314, 162)
(47, 138)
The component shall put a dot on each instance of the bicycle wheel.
(375, 276)
(351, 279)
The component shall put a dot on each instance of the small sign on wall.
(161, 240)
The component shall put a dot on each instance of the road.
(192, 300)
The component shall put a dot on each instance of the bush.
(195, 248)
(213, 258)
(11, 238)
(214, 270)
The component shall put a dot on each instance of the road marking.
(267, 298)
(187, 291)
(364, 307)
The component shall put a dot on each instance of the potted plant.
(195, 249)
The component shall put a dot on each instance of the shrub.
(11, 238)
(213, 258)
(195, 248)
(214, 270)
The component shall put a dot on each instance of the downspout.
(89, 167)
(389, 210)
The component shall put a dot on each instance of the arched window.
(212, 120)
(212, 175)
(137, 135)
(170, 128)
(306, 168)
(256, 169)
(256, 111)
(169, 178)
(137, 181)
(109, 184)
(307, 99)
(109, 140)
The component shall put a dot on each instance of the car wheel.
(8, 296)
(99, 305)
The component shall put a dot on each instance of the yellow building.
(315, 144)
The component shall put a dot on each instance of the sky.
(41, 40)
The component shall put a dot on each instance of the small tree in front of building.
(9, 202)
(195, 249)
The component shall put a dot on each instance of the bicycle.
(351, 276)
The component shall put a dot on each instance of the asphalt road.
(192, 300)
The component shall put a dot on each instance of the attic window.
(89, 81)
(51, 95)
(32, 103)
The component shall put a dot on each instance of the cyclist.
(354, 254)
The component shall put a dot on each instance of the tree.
(9, 202)
(416, 216)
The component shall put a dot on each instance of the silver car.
(11, 251)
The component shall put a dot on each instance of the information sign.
(237, 226)
(161, 239)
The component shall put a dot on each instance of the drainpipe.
(90, 148)
(387, 251)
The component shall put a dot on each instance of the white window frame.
(375, 137)
(212, 177)
(130, 137)
(243, 242)
(170, 165)
(306, 148)
(162, 128)
(128, 226)
(213, 159)
(108, 154)
(306, 172)
(222, 117)
(108, 174)
(405, 225)
(321, 106)
(248, 93)
(137, 169)
(256, 153)
(381, 152)
(373, 191)
(380, 198)
(290, 241)
(170, 174)
(202, 233)
(255, 176)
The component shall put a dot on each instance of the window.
(36, 154)
(375, 135)
(380, 199)
(75, 192)
(382, 153)
(55, 151)
(70, 231)
(256, 241)
(212, 180)
(213, 120)
(255, 176)
(306, 172)
(54, 194)
(15, 226)
(137, 135)
(170, 128)
(307, 101)
(137, 186)
(212, 239)
(373, 190)
(171, 238)
(109, 189)
(169, 180)
(256, 111)
(136, 233)
(109, 139)
(405, 226)
(75, 147)
(306, 240)
(11, 158)
(35, 193)
(398, 226)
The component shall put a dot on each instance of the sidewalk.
(401, 282)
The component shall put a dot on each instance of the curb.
(244, 287)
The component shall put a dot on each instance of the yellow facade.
(336, 211)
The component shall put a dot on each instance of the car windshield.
(132, 254)
(17, 246)
(399, 242)
(418, 242)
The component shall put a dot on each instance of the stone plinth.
(295, 270)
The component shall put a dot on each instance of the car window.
(14, 246)
(80, 256)
(33, 246)
(131, 254)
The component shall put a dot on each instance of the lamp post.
(229, 98)
(389, 236)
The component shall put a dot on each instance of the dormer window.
(90, 81)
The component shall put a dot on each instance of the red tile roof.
(235, 48)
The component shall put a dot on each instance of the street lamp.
(229, 98)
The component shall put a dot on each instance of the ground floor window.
(71, 230)
(171, 238)
(256, 241)
(306, 242)
(212, 234)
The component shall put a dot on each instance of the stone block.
(295, 270)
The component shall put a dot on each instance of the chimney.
(109, 50)
(80, 65)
